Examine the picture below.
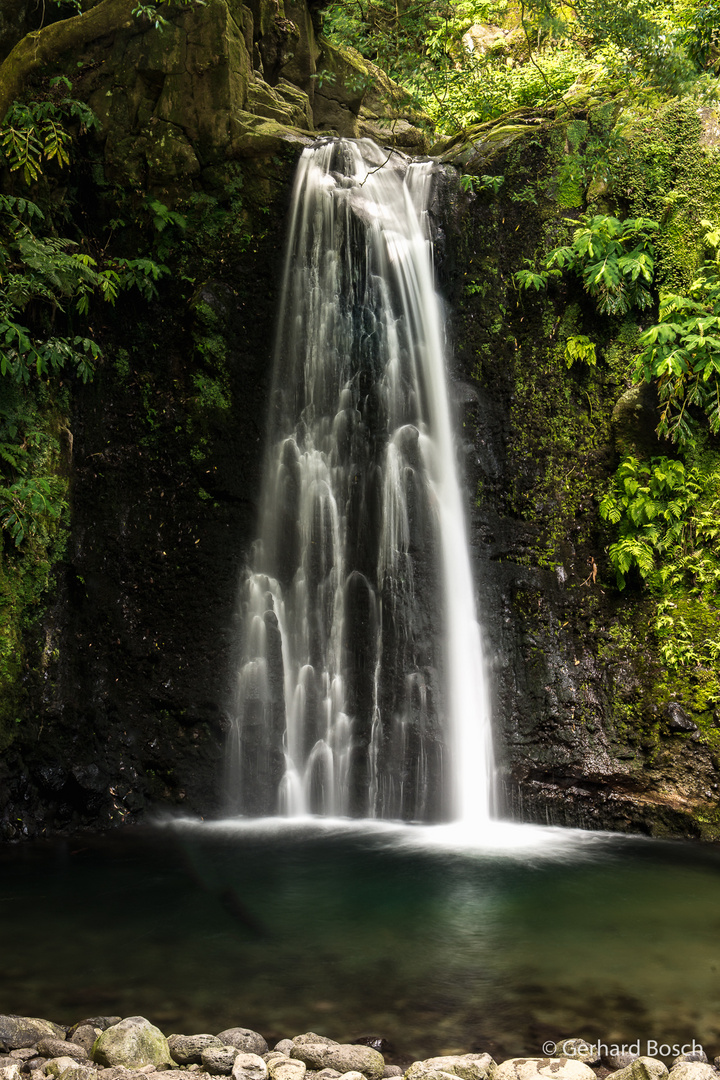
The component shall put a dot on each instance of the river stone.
(85, 1035)
(553, 1068)
(64, 1065)
(352, 1076)
(285, 1068)
(467, 1066)
(187, 1049)
(218, 1059)
(18, 1032)
(249, 1067)
(10, 1070)
(250, 1042)
(579, 1050)
(132, 1043)
(694, 1055)
(27, 1052)
(311, 1038)
(78, 1071)
(391, 1070)
(619, 1060)
(102, 1022)
(345, 1057)
(55, 1048)
(693, 1070)
(323, 1074)
(646, 1068)
(284, 1046)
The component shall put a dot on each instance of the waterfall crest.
(361, 690)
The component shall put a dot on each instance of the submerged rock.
(133, 1042)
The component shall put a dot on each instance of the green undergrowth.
(34, 453)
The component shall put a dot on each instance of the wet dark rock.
(678, 720)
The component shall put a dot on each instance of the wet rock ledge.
(110, 1048)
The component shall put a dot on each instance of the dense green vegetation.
(467, 61)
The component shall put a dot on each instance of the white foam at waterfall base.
(362, 567)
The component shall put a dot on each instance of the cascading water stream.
(361, 690)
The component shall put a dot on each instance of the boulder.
(467, 1066)
(55, 1048)
(285, 1068)
(132, 1043)
(10, 1069)
(250, 1042)
(187, 1049)
(644, 1068)
(249, 1067)
(552, 1068)
(21, 1031)
(345, 1058)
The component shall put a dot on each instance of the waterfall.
(361, 688)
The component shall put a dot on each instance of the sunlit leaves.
(614, 259)
(35, 134)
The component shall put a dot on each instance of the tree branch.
(41, 47)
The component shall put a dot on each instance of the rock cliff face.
(125, 681)
(593, 728)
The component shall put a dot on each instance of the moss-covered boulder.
(132, 1044)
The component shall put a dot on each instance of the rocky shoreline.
(112, 1048)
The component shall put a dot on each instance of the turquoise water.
(415, 934)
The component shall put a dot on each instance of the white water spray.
(362, 688)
